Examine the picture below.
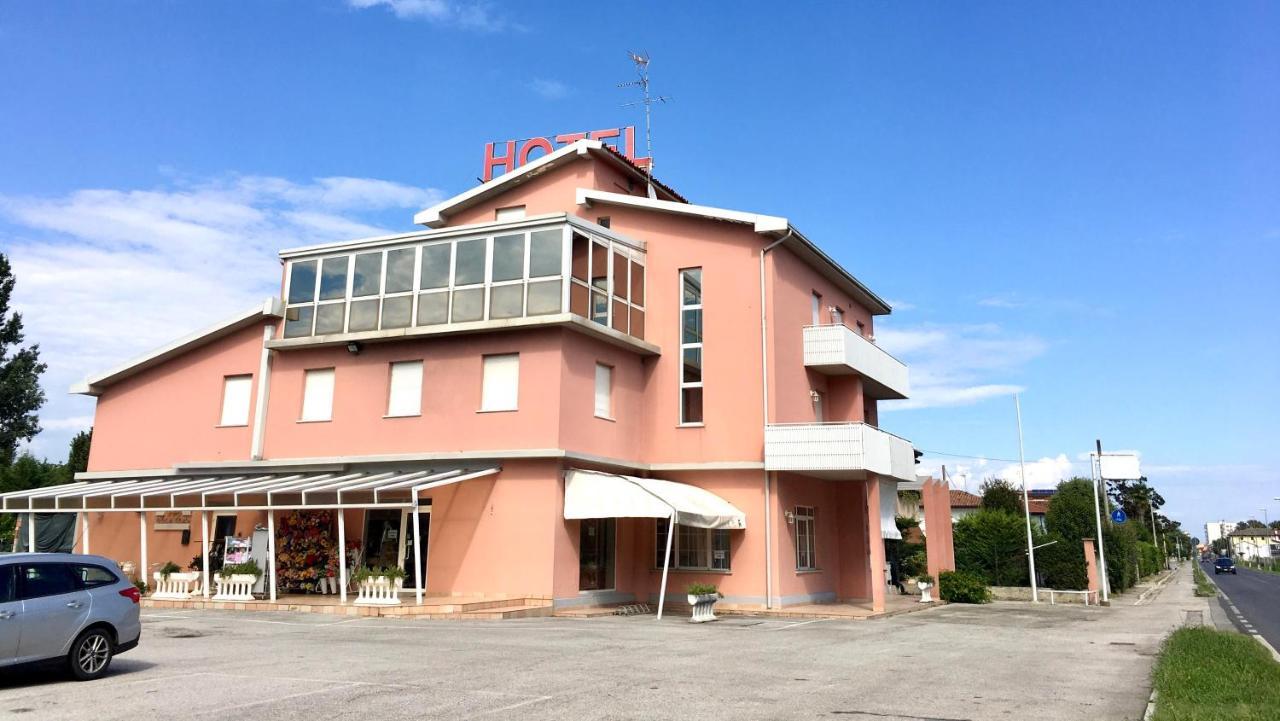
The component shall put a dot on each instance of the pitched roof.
(964, 499)
(1254, 532)
(1038, 506)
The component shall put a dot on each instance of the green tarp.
(55, 533)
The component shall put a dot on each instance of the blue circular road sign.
(1118, 516)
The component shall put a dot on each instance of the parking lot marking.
(798, 623)
(516, 705)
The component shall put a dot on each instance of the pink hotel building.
(537, 385)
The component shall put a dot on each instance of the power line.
(962, 455)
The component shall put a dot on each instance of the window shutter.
(235, 400)
(501, 387)
(404, 397)
(317, 395)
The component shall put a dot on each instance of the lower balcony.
(837, 451)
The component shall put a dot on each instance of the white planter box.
(177, 586)
(379, 591)
(925, 596)
(703, 607)
(236, 587)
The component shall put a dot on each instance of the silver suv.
(70, 606)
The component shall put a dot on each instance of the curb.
(1151, 707)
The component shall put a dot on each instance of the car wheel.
(90, 655)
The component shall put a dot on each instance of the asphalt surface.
(1254, 599)
(954, 663)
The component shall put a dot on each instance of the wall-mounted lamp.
(815, 396)
(791, 517)
(354, 348)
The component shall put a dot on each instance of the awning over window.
(201, 492)
(590, 494)
(889, 510)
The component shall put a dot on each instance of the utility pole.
(1096, 473)
(1026, 503)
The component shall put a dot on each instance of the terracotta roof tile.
(964, 499)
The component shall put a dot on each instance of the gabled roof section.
(436, 216)
(94, 385)
(768, 225)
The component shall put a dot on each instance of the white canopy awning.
(591, 494)
(889, 510)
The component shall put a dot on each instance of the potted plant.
(236, 581)
(925, 582)
(173, 584)
(703, 597)
(378, 586)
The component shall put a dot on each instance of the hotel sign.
(514, 153)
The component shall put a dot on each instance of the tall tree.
(1251, 523)
(999, 494)
(78, 456)
(20, 369)
(1138, 499)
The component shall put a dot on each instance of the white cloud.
(954, 365)
(549, 89)
(1043, 473)
(900, 305)
(104, 275)
(470, 15)
(1000, 301)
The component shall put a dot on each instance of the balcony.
(837, 350)
(546, 270)
(837, 451)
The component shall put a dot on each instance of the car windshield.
(1224, 561)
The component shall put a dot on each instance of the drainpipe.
(764, 389)
(264, 393)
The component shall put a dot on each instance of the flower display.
(306, 549)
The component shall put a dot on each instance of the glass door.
(411, 575)
(595, 554)
(382, 538)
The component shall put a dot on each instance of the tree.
(993, 544)
(20, 369)
(1251, 523)
(1138, 499)
(1275, 525)
(1071, 513)
(999, 494)
(78, 456)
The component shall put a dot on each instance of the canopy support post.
(271, 551)
(342, 557)
(84, 524)
(419, 569)
(666, 564)
(204, 552)
(142, 536)
(31, 532)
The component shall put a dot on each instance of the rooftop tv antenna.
(641, 61)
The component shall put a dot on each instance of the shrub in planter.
(704, 589)
(169, 568)
(249, 567)
(963, 587)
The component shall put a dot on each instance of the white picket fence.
(176, 586)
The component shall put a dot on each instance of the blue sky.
(1078, 201)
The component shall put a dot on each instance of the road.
(1256, 597)
(955, 663)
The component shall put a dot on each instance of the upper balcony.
(837, 350)
(837, 451)
(549, 270)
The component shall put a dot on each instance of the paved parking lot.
(1000, 661)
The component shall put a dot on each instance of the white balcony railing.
(837, 350)
(836, 449)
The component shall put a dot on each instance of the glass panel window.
(330, 317)
(433, 308)
(691, 405)
(470, 262)
(698, 549)
(691, 328)
(692, 365)
(600, 308)
(508, 257)
(297, 321)
(691, 374)
(691, 282)
(619, 315)
(806, 560)
(620, 275)
(400, 270)
(368, 274)
(544, 298)
(579, 263)
(637, 284)
(506, 301)
(302, 281)
(435, 265)
(720, 549)
(396, 312)
(691, 551)
(545, 247)
(333, 278)
(468, 305)
(364, 316)
(600, 267)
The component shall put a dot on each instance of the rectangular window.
(317, 395)
(695, 549)
(691, 346)
(604, 391)
(235, 400)
(501, 385)
(806, 559)
(404, 395)
(816, 308)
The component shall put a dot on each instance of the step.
(504, 612)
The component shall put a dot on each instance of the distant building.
(964, 504)
(1217, 529)
(1252, 544)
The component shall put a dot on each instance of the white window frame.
(242, 383)
(634, 259)
(815, 301)
(607, 399)
(708, 548)
(409, 402)
(702, 363)
(806, 538)
(493, 403)
(315, 416)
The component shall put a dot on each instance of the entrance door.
(382, 538)
(411, 574)
(595, 554)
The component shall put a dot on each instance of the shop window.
(694, 549)
(404, 394)
(235, 400)
(500, 389)
(317, 394)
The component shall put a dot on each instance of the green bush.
(1150, 558)
(703, 589)
(1122, 555)
(992, 544)
(250, 566)
(915, 562)
(1062, 564)
(962, 587)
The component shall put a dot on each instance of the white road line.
(798, 623)
(526, 702)
(300, 694)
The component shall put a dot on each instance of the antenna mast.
(641, 61)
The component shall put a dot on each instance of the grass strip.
(1207, 675)
(1203, 587)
